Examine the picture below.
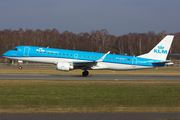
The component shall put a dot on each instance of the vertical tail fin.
(161, 50)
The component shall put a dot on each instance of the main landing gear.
(85, 73)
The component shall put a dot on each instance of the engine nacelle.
(64, 66)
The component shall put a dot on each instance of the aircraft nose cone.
(5, 54)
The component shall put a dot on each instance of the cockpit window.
(15, 49)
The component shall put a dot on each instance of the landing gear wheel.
(85, 73)
(20, 67)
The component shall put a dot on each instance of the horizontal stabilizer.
(167, 61)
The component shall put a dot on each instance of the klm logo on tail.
(160, 50)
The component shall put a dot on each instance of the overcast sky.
(118, 17)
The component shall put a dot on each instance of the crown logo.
(161, 47)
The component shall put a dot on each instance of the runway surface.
(92, 116)
(91, 77)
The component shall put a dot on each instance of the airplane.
(66, 60)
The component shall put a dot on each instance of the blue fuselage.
(51, 55)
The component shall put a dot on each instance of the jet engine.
(64, 66)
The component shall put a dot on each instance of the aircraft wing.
(89, 64)
(84, 65)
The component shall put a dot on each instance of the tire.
(20, 67)
(85, 73)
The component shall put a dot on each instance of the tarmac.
(90, 77)
(90, 116)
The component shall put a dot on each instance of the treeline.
(95, 41)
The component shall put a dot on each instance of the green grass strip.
(88, 96)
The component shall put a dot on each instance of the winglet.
(100, 60)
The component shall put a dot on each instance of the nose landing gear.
(20, 67)
(85, 73)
